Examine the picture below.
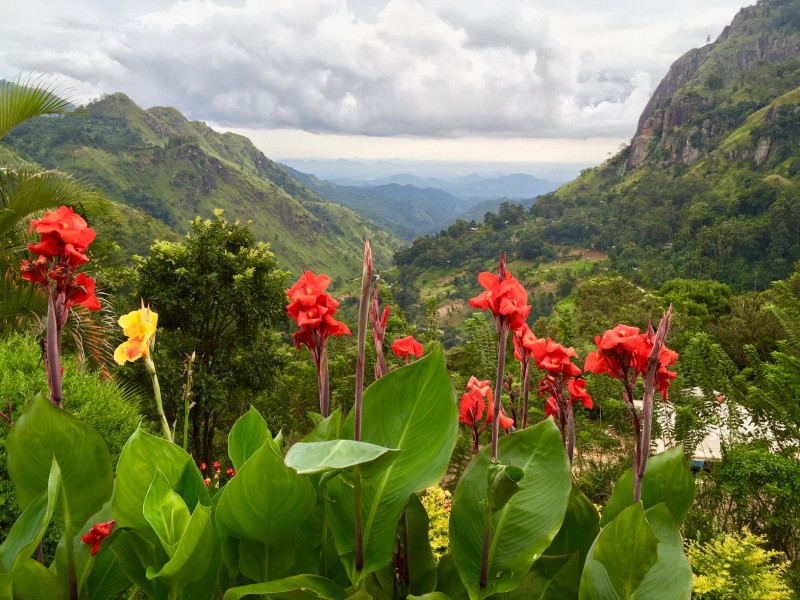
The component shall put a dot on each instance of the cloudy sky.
(522, 80)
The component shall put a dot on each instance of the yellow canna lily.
(140, 327)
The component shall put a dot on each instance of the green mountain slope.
(173, 169)
(709, 185)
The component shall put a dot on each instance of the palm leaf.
(22, 100)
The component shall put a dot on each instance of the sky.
(453, 80)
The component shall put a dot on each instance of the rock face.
(767, 33)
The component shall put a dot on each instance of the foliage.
(736, 566)
(218, 294)
(438, 502)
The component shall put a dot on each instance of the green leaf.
(620, 557)
(299, 587)
(141, 457)
(134, 553)
(429, 596)
(247, 435)
(551, 578)
(667, 479)
(193, 556)
(524, 527)
(28, 530)
(43, 432)
(316, 457)
(326, 429)
(448, 581)
(34, 581)
(670, 578)
(579, 529)
(503, 482)
(166, 513)
(265, 502)
(22, 100)
(413, 409)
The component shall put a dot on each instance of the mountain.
(405, 210)
(173, 169)
(709, 185)
(473, 187)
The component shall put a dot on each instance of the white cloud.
(432, 68)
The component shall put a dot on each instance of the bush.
(736, 566)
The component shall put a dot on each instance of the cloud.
(435, 68)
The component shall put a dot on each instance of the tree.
(219, 294)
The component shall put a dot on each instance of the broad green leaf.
(503, 481)
(134, 553)
(247, 435)
(316, 457)
(523, 528)
(579, 529)
(142, 455)
(166, 513)
(266, 502)
(34, 581)
(429, 596)
(412, 408)
(671, 577)
(620, 558)
(43, 432)
(448, 580)
(551, 578)
(667, 479)
(28, 530)
(326, 429)
(192, 557)
(299, 587)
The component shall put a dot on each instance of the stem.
(53, 353)
(487, 538)
(322, 379)
(187, 393)
(151, 368)
(502, 338)
(72, 575)
(359, 533)
(570, 432)
(526, 385)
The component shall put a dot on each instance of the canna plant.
(338, 514)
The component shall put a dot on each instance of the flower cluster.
(623, 353)
(140, 328)
(505, 297)
(402, 347)
(476, 410)
(65, 237)
(313, 309)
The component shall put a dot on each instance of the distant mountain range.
(409, 205)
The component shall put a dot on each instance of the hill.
(157, 161)
(708, 186)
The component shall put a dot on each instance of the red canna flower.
(553, 357)
(80, 291)
(506, 298)
(402, 347)
(476, 408)
(577, 393)
(97, 534)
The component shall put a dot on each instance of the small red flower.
(97, 534)
(202, 466)
(230, 472)
(216, 466)
(206, 481)
(402, 347)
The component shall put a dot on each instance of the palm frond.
(21, 100)
(19, 302)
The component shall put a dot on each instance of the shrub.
(736, 566)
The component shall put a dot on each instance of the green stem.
(186, 404)
(359, 533)
(502, 339)
(72, 575)
(151, 368)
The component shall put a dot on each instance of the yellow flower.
(140, 327)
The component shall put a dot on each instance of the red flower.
(505, 421)
(506, 299)
(206, 481)
(97, 534)
(551, 408)
(523, 340)
(313, 309)
(473, 405)
(216, 466)
(68, 226)
(408, 345)
(553, 357)
(307, 289)
(202, 466)
(230, 472)
(577, 391)
(80, 290)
